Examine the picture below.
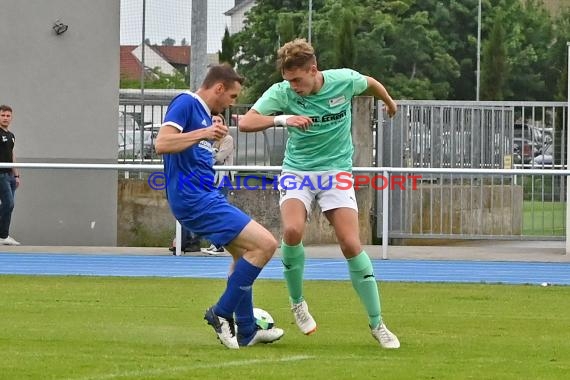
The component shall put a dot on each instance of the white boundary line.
(172, 370)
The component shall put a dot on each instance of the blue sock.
(239, 284)
(245, 320)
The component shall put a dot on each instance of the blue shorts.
(215, 219)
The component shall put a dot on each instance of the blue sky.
(171, 18)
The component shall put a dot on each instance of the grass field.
(544, 218)
(152, 328)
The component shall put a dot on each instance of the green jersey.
(327, 144)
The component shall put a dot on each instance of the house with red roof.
(167, 59)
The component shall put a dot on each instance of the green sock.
(293, 259)
(364, 283)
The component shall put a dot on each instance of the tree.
(184, 42)
(168, 42)
(494, 71)
(557, 75)
(528, 35)
(286, 30)
(422, 55)
(256, 45)
(157, 79)
(456, 22)
(393, 42)
(420, 49)
(227, 52)
(346, 51)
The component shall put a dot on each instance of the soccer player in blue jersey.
(315, 107)
(185, 140)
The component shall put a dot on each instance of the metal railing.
(426, 134)
(385, 171)
(466, 134)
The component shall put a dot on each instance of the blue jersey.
(193, 198)
(189, 173)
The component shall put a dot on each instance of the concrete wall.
(64, 91)
(146, 220)
(489, 210)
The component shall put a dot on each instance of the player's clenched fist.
(217, 131)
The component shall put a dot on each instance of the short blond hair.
(295, 54)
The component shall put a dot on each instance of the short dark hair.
(224, 74)
(4, 107)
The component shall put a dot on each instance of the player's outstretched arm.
(253, 121)
(376, 89)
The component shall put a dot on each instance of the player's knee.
(350, 247)
(272, 245)
(267, 247)
(292, 235)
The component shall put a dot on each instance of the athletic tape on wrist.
(281, 120)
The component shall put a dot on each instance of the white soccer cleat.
(265, 336)
(303, 318)
(386, 338)
(224, 327)
(9, 241)
(213, 250)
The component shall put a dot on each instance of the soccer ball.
(263, 319)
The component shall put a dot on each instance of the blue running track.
(315, 269)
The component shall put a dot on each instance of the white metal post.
(568, 157)
(385, 208)
(178, 239)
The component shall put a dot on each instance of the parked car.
(127, 122)
(129, 144)
(546, 158)
(259, 148)
(524, 150)
(528, 132)
(129, 136)
(548, 135)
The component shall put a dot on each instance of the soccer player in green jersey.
(315, 106)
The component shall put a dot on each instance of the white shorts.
(331, 189)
